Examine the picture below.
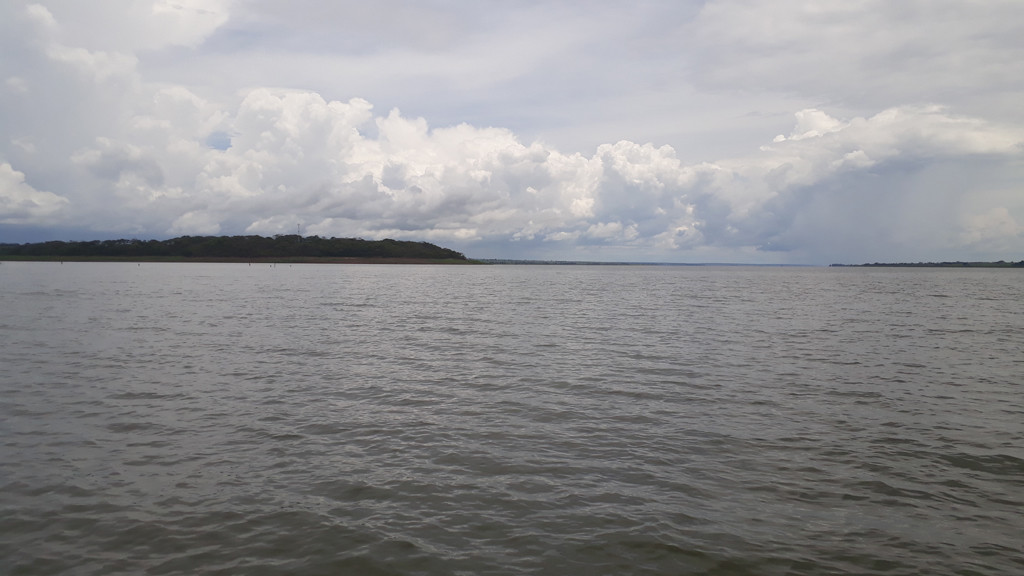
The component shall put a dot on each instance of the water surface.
(307, 419)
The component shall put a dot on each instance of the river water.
(208, 419)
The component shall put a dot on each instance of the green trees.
(235, 247)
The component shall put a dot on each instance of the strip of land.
(282, 248)
(999, 264)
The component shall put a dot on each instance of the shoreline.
(226, 260)
(999, 264)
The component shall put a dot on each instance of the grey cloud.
(112, 163)
(868, 55)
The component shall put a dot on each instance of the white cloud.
(612, 231)
(298, 159)
(98, 64)
(41, 16)
(186, 22)
(812, 123)
(196, 223)
(21, 203)
(993, 230)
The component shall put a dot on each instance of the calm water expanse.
(202, 419)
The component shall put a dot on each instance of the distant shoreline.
(214, 260)
(999, 264)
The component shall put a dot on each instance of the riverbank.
(288, 260)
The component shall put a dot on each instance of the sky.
(742, 131)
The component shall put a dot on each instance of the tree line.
(240, 247)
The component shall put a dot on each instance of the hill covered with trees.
(238, 248)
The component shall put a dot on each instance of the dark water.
(228, 419)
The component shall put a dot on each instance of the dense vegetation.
(232, 247)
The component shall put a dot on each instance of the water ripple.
(220, 419)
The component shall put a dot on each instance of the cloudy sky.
(790, 131)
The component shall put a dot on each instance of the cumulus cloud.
(859, 186)
(296, 158)
(23, 204)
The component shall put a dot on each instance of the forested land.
(281, 247)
